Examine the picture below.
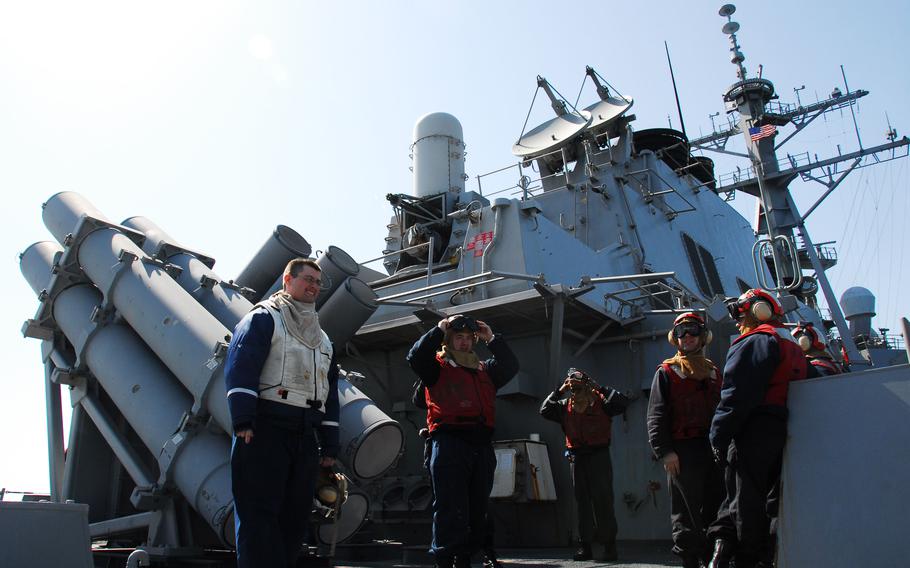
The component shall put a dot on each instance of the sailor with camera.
(586, 417)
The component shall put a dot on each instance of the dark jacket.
(750, 364)
(612, 403)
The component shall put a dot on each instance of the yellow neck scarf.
(694, 365)
(467, 359)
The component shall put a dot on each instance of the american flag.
(760, 132)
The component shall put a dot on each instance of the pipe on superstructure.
(497, 207)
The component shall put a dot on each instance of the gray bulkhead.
(574, 226)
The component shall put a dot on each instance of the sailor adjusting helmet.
(579, 380)
(461, 327)
(689, 324)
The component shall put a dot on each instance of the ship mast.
(779, 219)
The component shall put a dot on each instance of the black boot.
(608, 554)
(488, 556)
(583, 552)
(691, 561)
(723, 553)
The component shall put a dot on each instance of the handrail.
(394, 252)
(426, 288)
(778, 286)
(495, 274)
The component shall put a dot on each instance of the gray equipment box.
(45, 535)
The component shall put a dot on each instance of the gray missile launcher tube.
(348, 308)
(152, 400)
(187, 338)
(336, 265)
(173, 324)
(223, 300)
(343, 308)
(282, 246)
(363, 427)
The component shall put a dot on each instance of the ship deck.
(632, 554)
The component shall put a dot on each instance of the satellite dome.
(857, 301)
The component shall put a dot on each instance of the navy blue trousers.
(592, 476)
(754, 465)
(462, 477)
(695, 495)
(273, 479)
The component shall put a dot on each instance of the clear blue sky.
(219, 120)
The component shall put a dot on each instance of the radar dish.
(727, 10)
(551, 135)
(605, 112)
(730, 28)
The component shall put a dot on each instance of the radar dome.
(438, 155)
(857, 301)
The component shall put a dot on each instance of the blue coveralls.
(273, 477)
(462, 460)
(751, 434)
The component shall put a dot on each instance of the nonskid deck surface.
(631, 555)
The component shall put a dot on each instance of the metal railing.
(655, 287)
(428, 244)
(433, 290)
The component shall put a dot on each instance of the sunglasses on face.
(464, 322)
(312, 281)
(684, 329)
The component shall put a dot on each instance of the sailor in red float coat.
(586, 420)
(749, 428)
(816, 351)
(684, 395)
(461, 396)
(460, 390)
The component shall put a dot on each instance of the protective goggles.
(687, 328)
(577, 375)
(461, 323)
(736, 309)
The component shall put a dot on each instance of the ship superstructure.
(582, 253)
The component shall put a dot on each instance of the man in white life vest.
(282, 390)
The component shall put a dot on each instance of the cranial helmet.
(691, 323)
(461, 324)
(807, 337)
(762, 305)
(331, 488)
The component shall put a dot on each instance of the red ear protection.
(762, 305)
(807, 337)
